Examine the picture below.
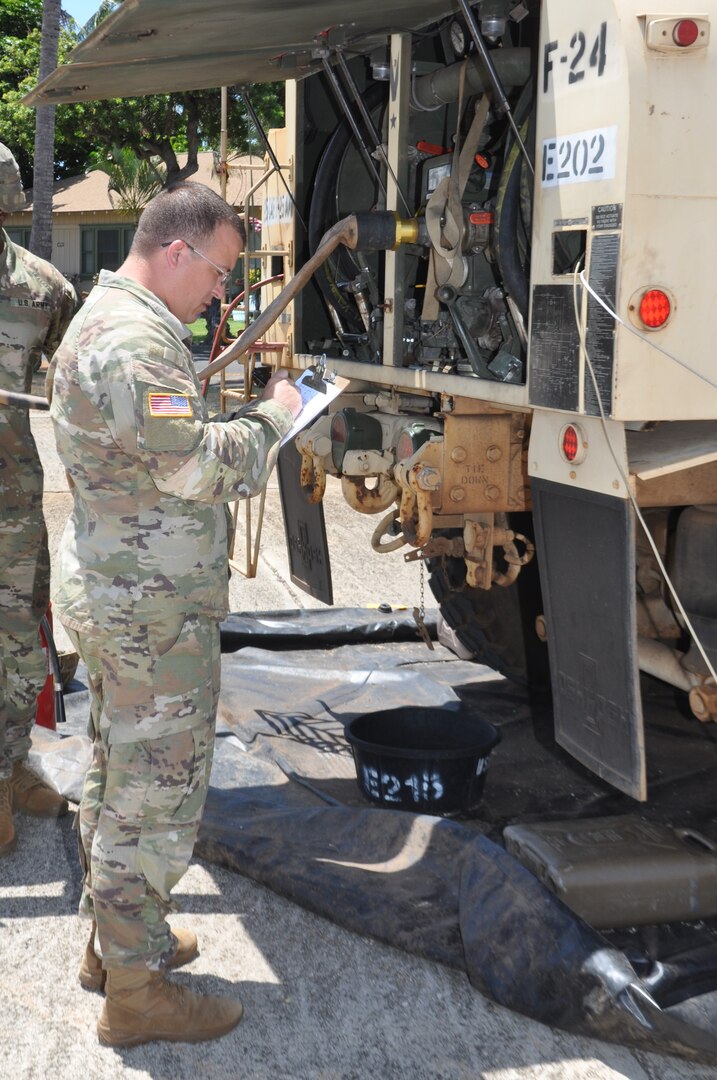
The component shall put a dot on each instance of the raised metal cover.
(159, 46)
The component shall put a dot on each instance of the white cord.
(618, 464)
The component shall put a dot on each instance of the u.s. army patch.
(168, 405)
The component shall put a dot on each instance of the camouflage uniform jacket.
(36, 305)
(150, 473)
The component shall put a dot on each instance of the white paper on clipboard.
(314, 401)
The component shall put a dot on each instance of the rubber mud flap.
(586, 555)
(306, 544)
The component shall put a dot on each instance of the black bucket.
(430, 761)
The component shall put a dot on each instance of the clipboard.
(318, 388)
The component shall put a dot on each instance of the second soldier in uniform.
(36, 305)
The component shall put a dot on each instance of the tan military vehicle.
(527, 331)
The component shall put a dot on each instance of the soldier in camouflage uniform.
(36, 305)
(142, 586)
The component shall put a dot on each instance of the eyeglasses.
(224, 274)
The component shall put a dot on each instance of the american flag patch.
(169, 405)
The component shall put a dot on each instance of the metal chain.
(420, 611)
(422, 587)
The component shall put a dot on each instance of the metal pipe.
(344, 232)
(248, 204)
(23, 401)
(223, 143)
(429, 92)
(664, 663)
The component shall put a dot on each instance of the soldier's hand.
(281, 389)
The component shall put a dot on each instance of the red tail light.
(685, 33)
(573, 445)
(655, 308)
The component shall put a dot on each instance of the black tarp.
(320, 627)
(284, 808)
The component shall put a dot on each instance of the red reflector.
(571, 443)
(481, 217)
(654, 308)
(431, 148)
(686, 32)
(482, 160)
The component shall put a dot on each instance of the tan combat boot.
(93, 976)
(7, 829)
(142, 1006)
(33, 796)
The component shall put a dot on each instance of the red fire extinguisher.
(50, 703)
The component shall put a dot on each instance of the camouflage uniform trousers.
(24, 596)
(154, 690)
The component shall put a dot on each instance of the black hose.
(323, 212)
(509, 217)
(513, 274)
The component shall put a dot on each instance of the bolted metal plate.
(483, 469)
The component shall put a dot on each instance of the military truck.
(532, 398)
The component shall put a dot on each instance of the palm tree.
(133, 181)
(105, 8)
(44, 165)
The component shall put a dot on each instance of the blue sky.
(80, 10)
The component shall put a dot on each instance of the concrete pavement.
(321, 1003)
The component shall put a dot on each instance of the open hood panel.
(159, 46)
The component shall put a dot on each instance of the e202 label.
(580, 157)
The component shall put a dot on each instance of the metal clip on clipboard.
(317, 376)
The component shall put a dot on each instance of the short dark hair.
(183, 211)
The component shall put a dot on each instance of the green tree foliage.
(133, 181)
(19, 63)
(19, 17)
(190, 122)
(160, 125)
